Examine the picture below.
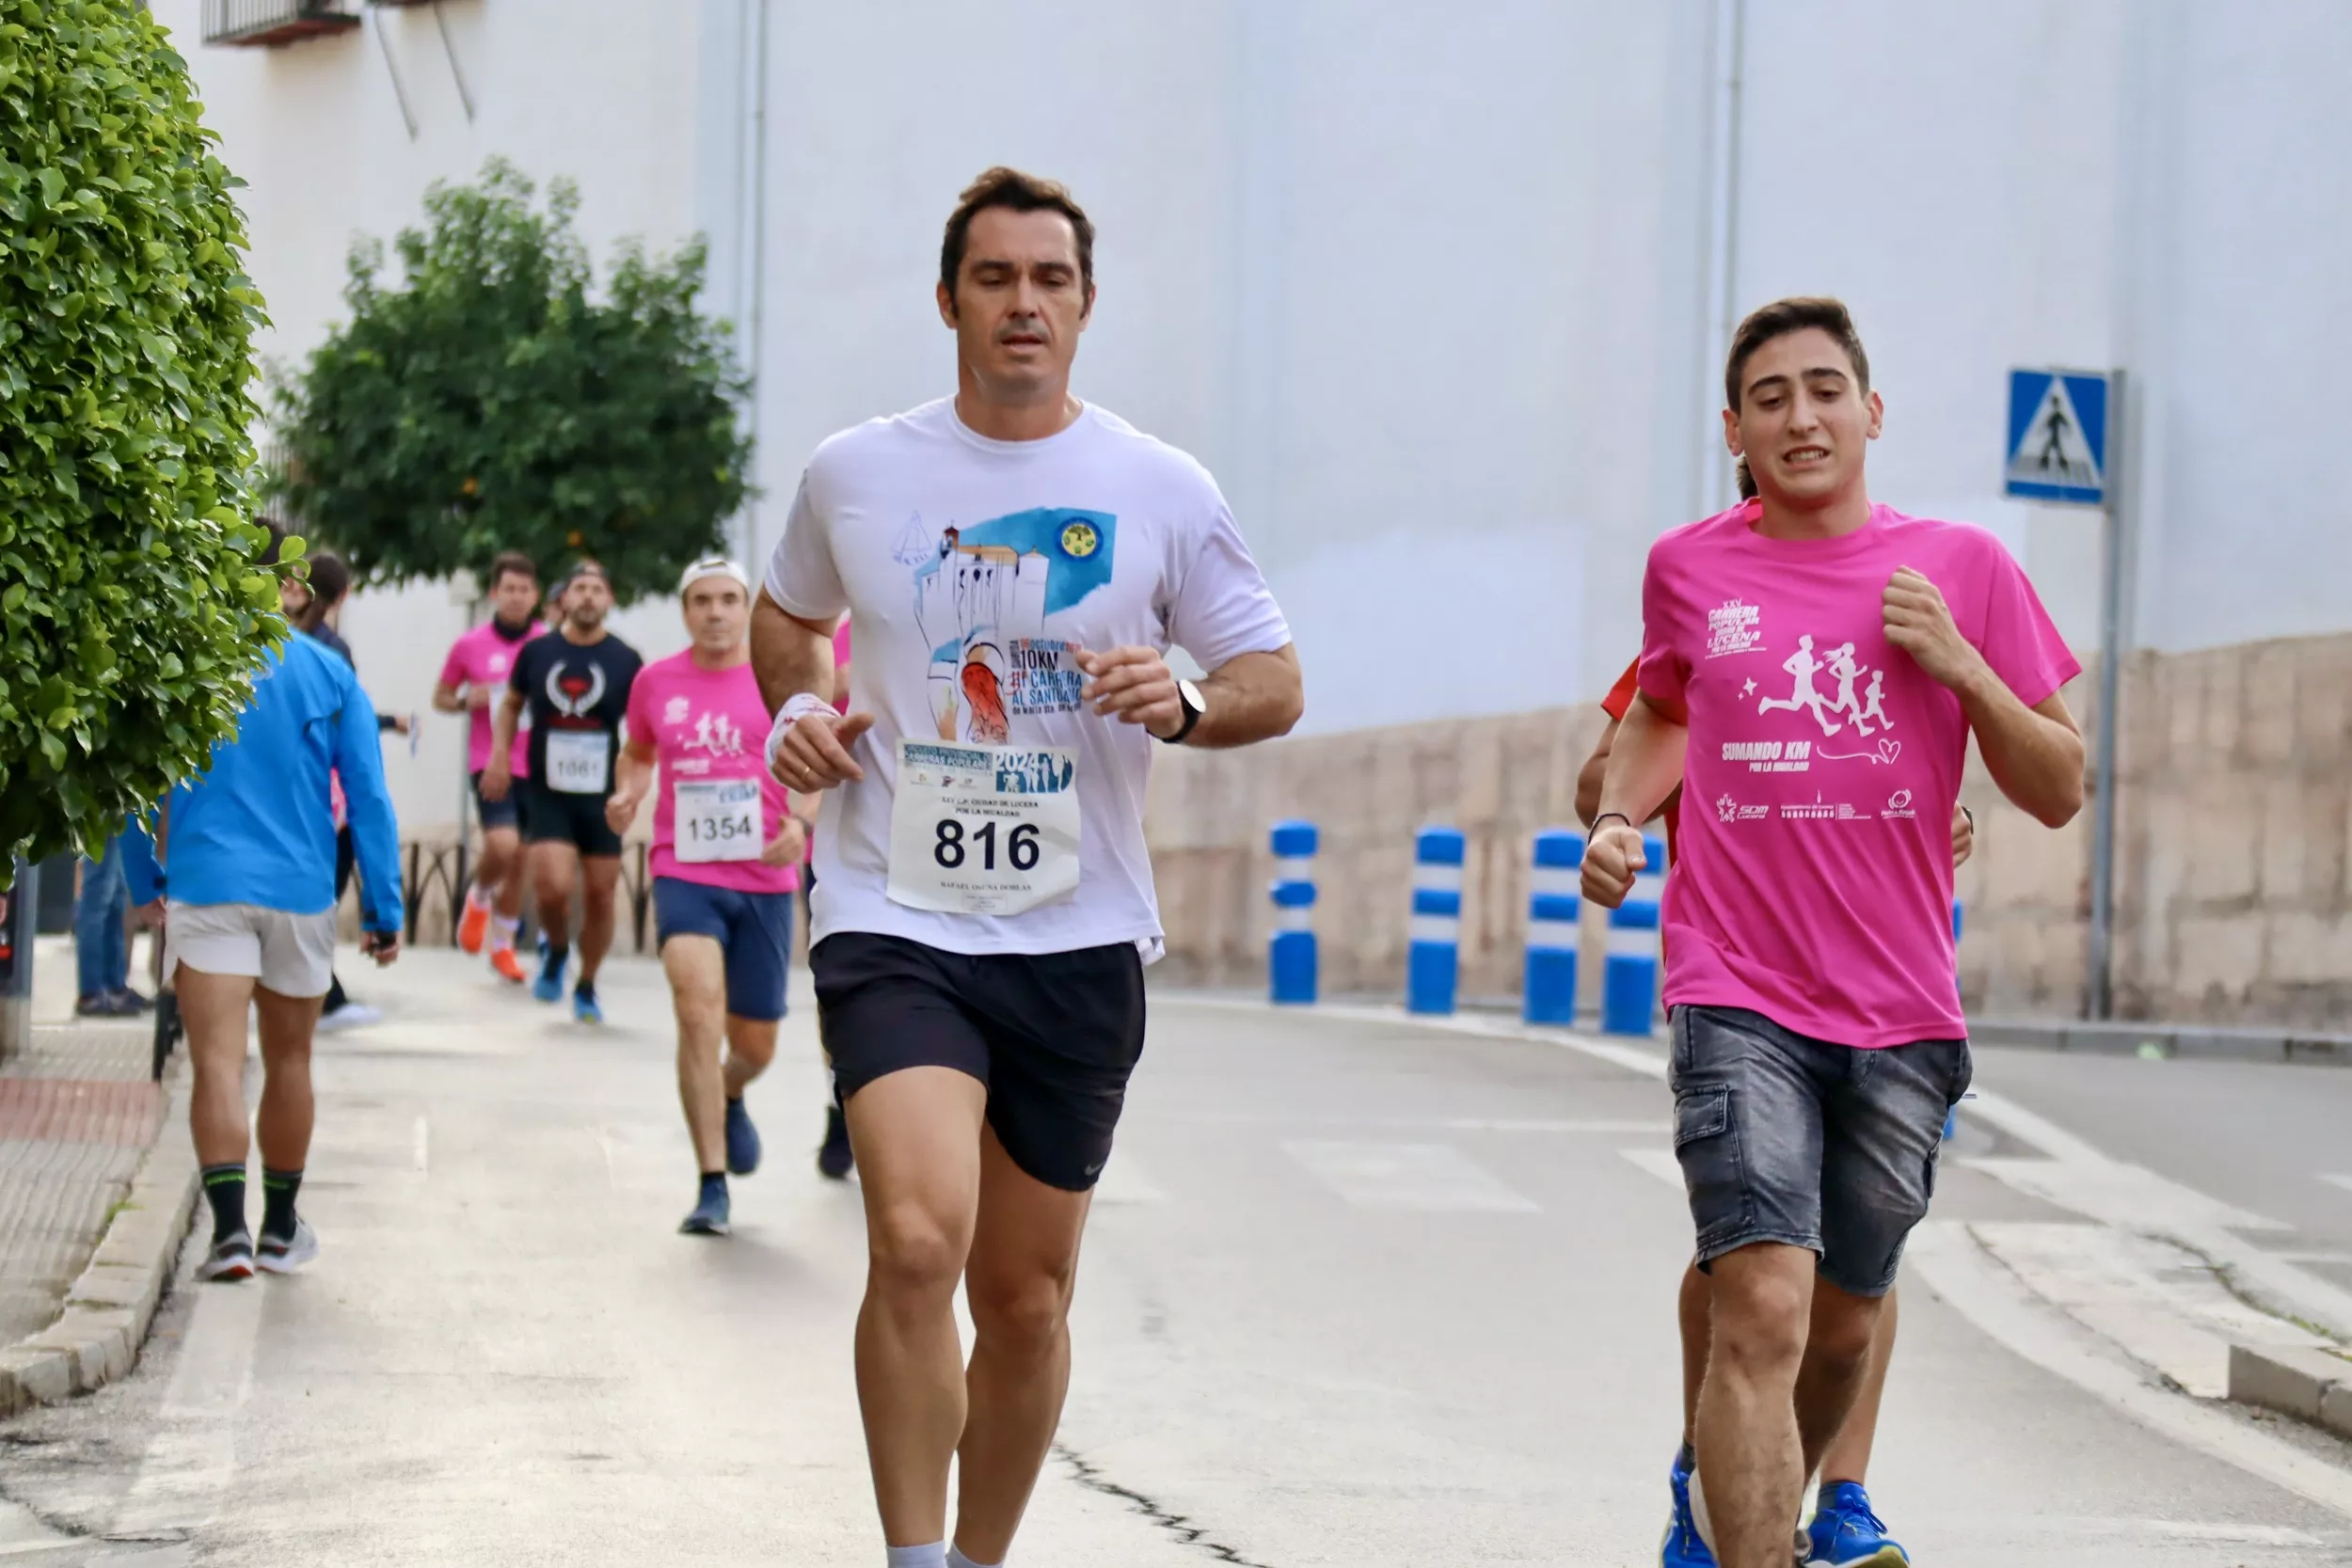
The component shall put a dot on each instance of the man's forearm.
(502, 731)
(789, 656)
(1249, 698)
(2035, 755)
(1644, 764)
(446, 699)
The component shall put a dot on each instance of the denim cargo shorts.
(1782, 1139)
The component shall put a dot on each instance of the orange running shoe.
(474, 926)
(510, 968)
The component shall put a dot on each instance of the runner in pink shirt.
(726, 858)
(472, 680)
(1813, 666)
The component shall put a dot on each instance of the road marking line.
(1998, 1303)
(1124, 1183)
(2162, 1304)
(1659, 1163)
(421, 1140)
(192, 1459)
(2089, 1187)
(1420, 1177)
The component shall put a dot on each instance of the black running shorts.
(1054, 1036)
(556, 816)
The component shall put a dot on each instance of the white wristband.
(795, 709)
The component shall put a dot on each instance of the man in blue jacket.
(249, 859)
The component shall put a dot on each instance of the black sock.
(1687, 1458)
(714, 1184)
(586, 985)
(557, 953)
(1827, 1498)
(223, 1188)
(279, 1188)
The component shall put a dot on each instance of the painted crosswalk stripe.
(1420, 1177)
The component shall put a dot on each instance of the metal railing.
(271, 22)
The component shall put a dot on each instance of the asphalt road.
(1356, 1291)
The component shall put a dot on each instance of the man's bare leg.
(917, 1135)
(600, 901)
(1693, 1318)
(501, 871)
(1023, 1268)
(554, 867)
(1751, 1456)
(696, 967)
(213, 1011)
(1836, 1362)
(288, 1110)
(1848, 1457)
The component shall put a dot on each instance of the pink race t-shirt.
(709, 726)
(1815, 885)
(482, 658)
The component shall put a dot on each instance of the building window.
(272, 23)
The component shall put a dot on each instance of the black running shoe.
(834, 1158)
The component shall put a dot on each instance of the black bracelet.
(1607, 815)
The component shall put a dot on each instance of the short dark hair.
(1022, 193)
(508, 564)
(329, 581)
(1779, 319)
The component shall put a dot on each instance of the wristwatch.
(1195, 706)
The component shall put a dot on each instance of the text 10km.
(953, 844)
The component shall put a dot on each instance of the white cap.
(714, 566)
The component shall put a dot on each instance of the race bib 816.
(983, 830)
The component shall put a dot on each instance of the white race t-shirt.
(974, 568)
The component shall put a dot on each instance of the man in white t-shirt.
(1017, 563)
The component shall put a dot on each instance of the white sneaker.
(288, 1255)
(351, 1015)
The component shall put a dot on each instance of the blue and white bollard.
(1433, 955)
(1553, 905)
(1292, 962)
(1629, 993)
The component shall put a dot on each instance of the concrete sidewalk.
(94, 1197)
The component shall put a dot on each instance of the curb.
(97, 1338)
(2309, 1384)
(2165, 1041)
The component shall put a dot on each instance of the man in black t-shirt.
(576, 684)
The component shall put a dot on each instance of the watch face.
(1191, 695)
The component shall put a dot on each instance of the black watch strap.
(1192, 717)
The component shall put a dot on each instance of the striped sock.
(279, 1188)
(224, 1189)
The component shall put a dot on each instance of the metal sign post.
(2065, 440)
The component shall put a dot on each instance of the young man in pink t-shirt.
(1813, 666)
(726, 858)
(472, 680)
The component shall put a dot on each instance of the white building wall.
(1435, 290)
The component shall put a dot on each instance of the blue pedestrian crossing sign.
(2058, 437)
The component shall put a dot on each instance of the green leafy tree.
(134, 603)
(494, 400)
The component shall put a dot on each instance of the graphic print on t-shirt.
(1838, 704)
(982, 596)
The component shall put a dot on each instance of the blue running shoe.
(709, 1217)
(1683, 1548)
(549, 985)
(743, 1140)
(585, 1007)
(1846, 1534)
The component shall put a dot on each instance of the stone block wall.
(2232, 899)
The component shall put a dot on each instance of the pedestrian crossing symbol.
(2058, 437)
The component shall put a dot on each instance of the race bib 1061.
(983, 830)
(580, 762)
(716, 819)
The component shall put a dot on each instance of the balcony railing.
(269, 23)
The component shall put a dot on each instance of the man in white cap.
(726, 858)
